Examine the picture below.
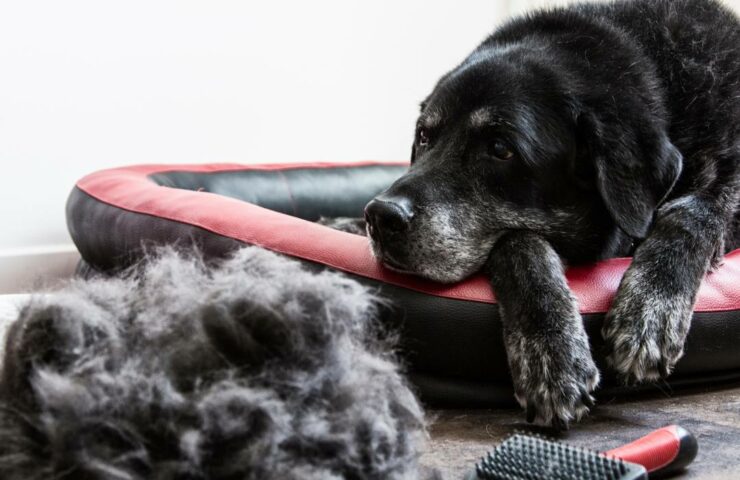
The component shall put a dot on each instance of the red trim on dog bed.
(129, 188)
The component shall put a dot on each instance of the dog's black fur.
(256, 369)
(579, 133)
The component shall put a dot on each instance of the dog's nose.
(388, 215)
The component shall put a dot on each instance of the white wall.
(91, 84)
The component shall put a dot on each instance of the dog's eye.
(500, 150)
(423, 137)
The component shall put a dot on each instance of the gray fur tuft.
(257, 369)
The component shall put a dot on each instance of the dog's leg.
(547, 346)
(647, 324)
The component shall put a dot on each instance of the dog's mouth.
(388, 260)
(393, 264)
(451, 266)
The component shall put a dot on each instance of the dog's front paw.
(553, 378)
(645, 331)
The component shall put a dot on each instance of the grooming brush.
(529, 457)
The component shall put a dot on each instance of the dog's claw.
(663, 368)
(587, 399)
(559, 424)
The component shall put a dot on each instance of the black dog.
(578, 134)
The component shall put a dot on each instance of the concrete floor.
(460, 437)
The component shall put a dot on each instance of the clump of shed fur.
(255, 369)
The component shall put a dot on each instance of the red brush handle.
(666, 450)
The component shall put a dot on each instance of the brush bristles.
(525, 457)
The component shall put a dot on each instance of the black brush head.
(527, 457)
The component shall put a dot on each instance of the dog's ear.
(635, 169)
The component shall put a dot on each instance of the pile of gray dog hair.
(255, 369)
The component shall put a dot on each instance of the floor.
(459, 438)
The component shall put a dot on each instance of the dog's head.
(503, 143)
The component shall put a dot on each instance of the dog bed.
(451, 334)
